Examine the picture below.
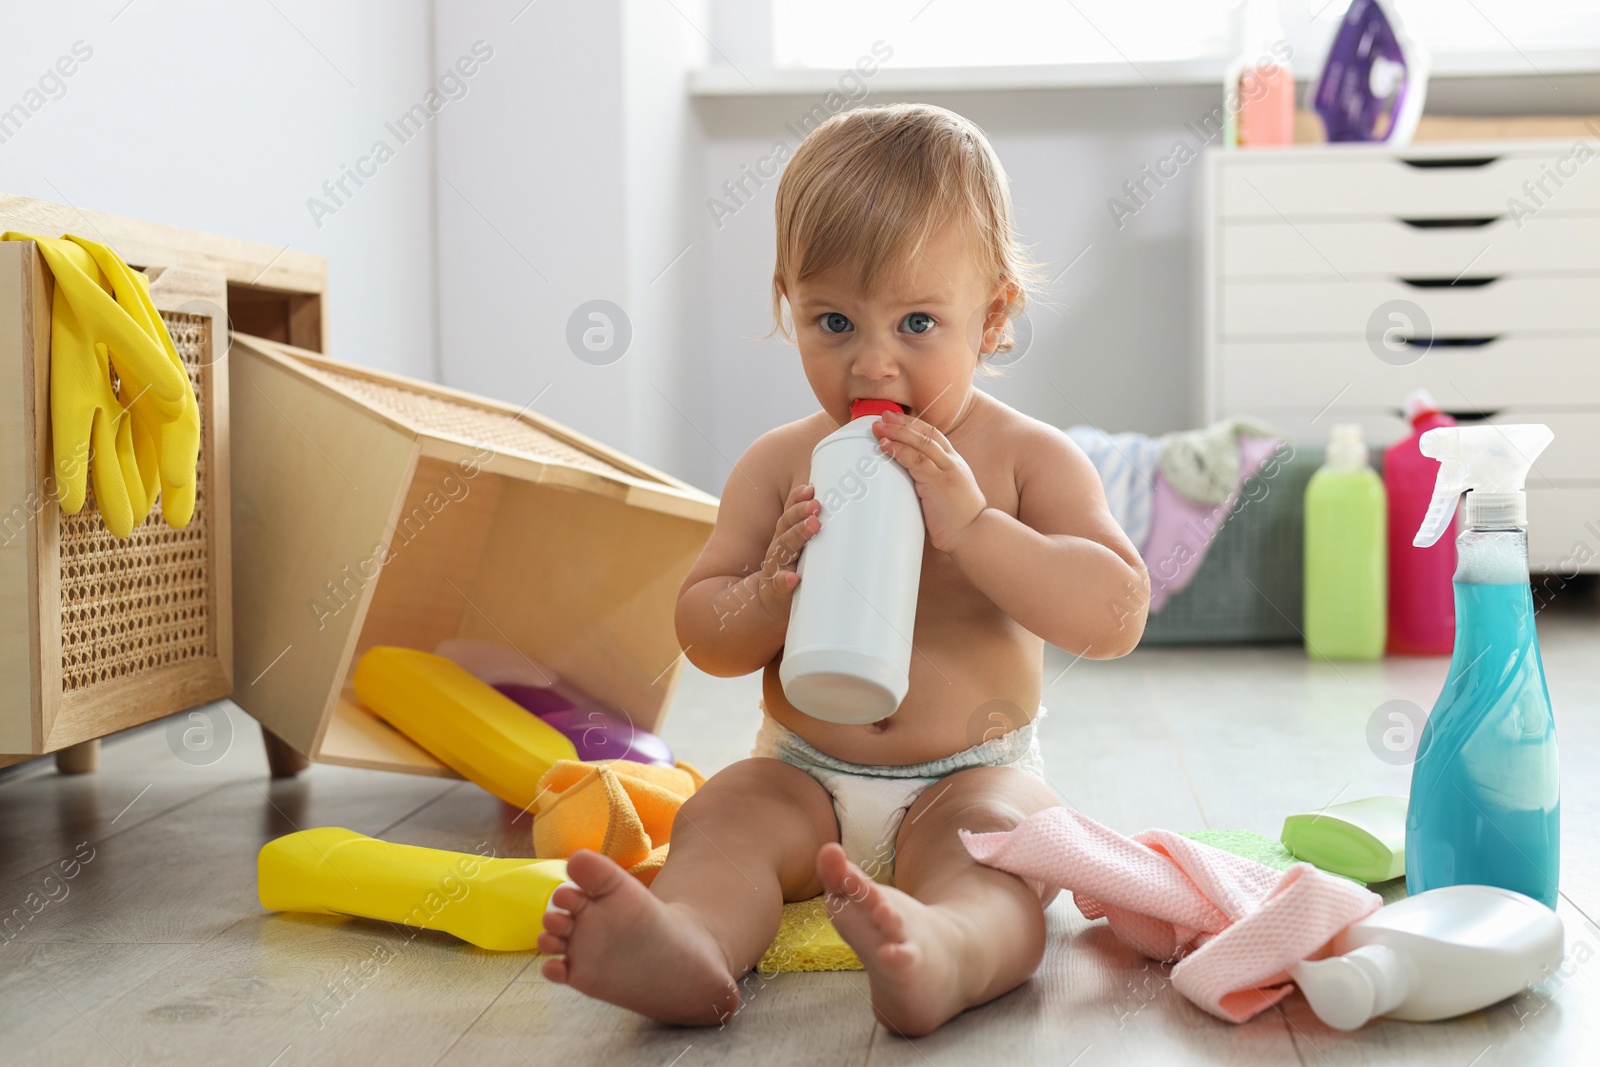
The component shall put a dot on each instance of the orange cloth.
(617, 807)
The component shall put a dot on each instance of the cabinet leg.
(82, 758)
(283, 759)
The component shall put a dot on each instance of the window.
(954, 33)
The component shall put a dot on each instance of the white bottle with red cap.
(847, 656)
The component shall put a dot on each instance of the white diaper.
(871, 800)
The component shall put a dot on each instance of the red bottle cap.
(871, 405)
(1419, 405)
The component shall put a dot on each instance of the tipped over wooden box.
(371, 509)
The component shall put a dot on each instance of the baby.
(897, 259)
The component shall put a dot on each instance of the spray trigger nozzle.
(1491, 463)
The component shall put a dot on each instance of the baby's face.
(917, 345)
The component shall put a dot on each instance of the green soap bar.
(1363, 839)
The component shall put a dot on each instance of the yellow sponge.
(807, 941)
(466, 724)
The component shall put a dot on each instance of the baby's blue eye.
(833, 322)
(919, 322)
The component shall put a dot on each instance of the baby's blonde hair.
(867, 187)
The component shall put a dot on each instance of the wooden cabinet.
(97, 633)
(102, 633)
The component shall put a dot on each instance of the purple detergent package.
(600, 733)
(535, 698)
(1374, 80)
(596, 730)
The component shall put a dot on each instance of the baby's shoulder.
(1018, 436)
(782, 455)
(1039, 455)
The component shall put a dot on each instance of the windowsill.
(1159, 74)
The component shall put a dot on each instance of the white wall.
(562, 181)
(227, 118)
(1116, 343)
(589, 159)
(572, 165)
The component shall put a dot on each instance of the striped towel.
(1127, 465)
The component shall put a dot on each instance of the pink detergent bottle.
(1422, 610)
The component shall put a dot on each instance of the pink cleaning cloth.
(1236, 924)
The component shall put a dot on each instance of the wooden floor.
(157, 951)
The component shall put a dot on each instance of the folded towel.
(1235, 924)
(1170, 494)
(1203, 464)
(619, 808)
(1181, 529)
(1126, 463)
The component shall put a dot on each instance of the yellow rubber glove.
(135, 439)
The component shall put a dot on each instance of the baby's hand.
(798, 524)
(950, 495)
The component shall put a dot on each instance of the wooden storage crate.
(371, 509)
(99, 633)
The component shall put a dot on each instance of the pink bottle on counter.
(1422, 610)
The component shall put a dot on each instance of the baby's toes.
(552, 944)
(569, 897)
(558, 922)
(554, 970)
(888, 919)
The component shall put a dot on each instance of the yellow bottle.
(496, 904)
(466, 724)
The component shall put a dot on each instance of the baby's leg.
(950, 933)
(744, 843)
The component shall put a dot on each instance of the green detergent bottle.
(1346, 554)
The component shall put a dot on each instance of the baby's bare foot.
(911, 951)
(615, 941)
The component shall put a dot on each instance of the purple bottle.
(597, 730)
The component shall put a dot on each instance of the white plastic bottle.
(1435, 955)
(847, 656)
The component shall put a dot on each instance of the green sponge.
(1252, 846)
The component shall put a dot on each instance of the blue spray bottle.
(1485, 803)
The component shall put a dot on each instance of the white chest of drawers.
(1338, 278)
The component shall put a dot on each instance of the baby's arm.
(1063, 568)
(733, 606)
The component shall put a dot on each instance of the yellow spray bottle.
(492, 903)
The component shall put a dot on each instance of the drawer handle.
(1448, 283)
(1450, 342)
(1451, 224)
(1458, 161)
